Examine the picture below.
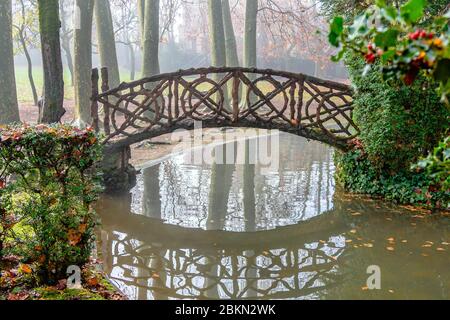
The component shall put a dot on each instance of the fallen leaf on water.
(445, 243)
(390, 248)
(440, 249)
(364, 288)
(155, 276)
(424, 254)
(391, 239)
(404, 241)
(430, 242)
(368, 245)
(353, 231)
(426, 246)
(356, 213)
(391, 291)
(348, 241)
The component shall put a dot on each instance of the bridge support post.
(118, 174)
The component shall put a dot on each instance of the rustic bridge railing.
(236, 97)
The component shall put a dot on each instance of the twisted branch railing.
(240, 97)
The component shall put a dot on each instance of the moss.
(50, 293)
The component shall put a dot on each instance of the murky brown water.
(255, 232)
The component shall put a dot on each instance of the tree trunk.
(23, 43)
(65, 41)
(141, 12)
(51, 108)
(230, 38)
(132, 62)
(251, 15)
(83, 61)
(217, 42)
(9, 110)
(106, 41)
(216, 33)
(151, 39)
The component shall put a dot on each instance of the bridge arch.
(296, 103)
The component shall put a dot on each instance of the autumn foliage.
(47, 187)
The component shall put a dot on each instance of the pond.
(279, 230)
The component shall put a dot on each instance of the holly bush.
(48, 184)
(397, 125)
(395, 38)
(397, 57)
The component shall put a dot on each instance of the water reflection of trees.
(301, 188)
(152, 260)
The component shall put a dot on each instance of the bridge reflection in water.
(280, 234)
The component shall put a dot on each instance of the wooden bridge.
(221, 97)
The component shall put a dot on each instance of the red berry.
(422, 34)
(370, 47)
(414, 36)
(370, 58)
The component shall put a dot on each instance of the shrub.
(52, 186)
(437, 164)
(398, 124)
(357, 174)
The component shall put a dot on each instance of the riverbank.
(17, 282)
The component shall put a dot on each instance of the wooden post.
(94, 102)
(105, 87)
(169, 104)
(235, 96)
(301, 91)
(292, 99)
(177, 98)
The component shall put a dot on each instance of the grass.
(25, 95)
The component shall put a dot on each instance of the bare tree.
(9, 110)
(26, 34)
(83, 60)
(51, 108)
(66, 7)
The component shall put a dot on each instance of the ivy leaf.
(386, 39)
(412, 11)
(336, 29)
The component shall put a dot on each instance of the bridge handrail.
(206, 70)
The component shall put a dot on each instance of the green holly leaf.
(386, 39)
(336, 29)
(387, 55)
(412, 11)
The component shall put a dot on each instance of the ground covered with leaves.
(17, 282)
